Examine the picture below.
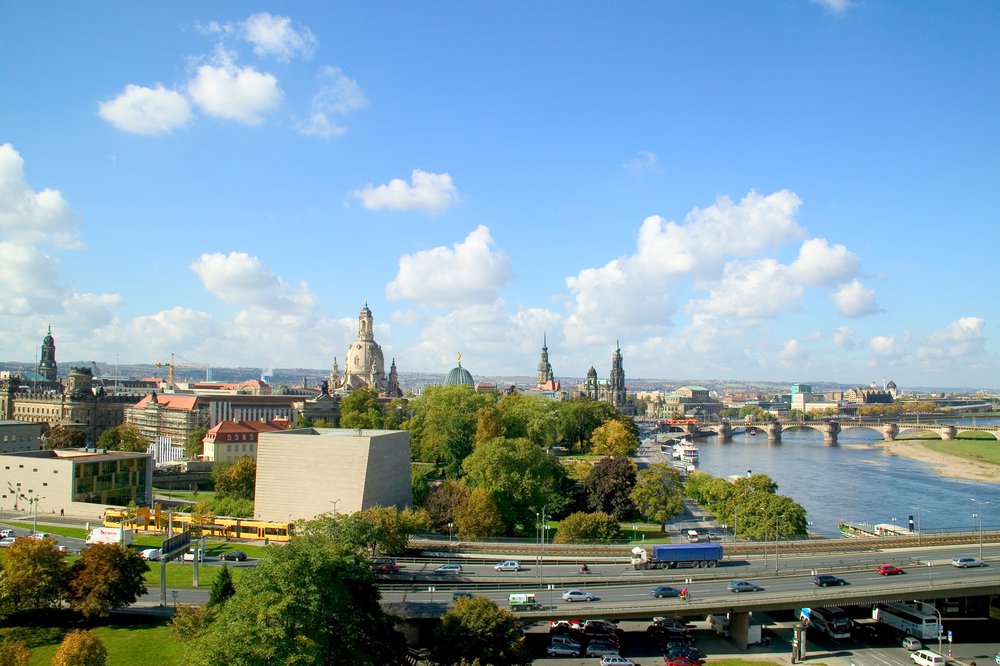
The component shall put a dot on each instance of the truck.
(110, 535)
(674, 556)
(755, 630)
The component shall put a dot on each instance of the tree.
(444, 424)
(222, 587)
(372, 532)
(613, 438)
(34, 574)
(609, 486)
(194, 443)
(520, 476)
(360, 409)
(488, 424)
(190, 622)
(61, 437)
(659, 493)
(478, 517)
(310, 602)
(578, 418)
(125, 437)
(444, 501)
(238, 480)
(14, 653)
(420, 488)
(583, 527)
(235, 508)
(478, 629)
(202, 515)
(80, 648)
(106, 576)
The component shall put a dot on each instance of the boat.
(688, 451)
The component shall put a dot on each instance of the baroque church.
(611, 390)
(364, 365)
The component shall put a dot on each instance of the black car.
(233, 556)
(663, 591)
(824, 580)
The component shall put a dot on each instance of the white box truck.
(110, 535)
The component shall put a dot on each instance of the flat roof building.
(306, 472)
(18, 436)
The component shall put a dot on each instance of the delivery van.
(927, 658)
(523, 602)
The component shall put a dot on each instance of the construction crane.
(171, 366)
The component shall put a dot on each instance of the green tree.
(34, 574)
(194, 443)
(125, 437)
(520, 476)
(478, 517)
(372, 532)
(190, 622)
(360, 409)
(609, 486)
(80, 648)
(478, 629)
(106, 576)
(579, 417)
(201, 517)
(310, 602)
(61, 437)
(443, 425)
(395, 414)
(583, 527)
(222, 587)
(420, 488)
(659, 493)
(235, 508)
(238, 480)
(488, 424)
(613, 438)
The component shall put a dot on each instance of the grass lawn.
(987, 451)
(190, 495)
(130, 640)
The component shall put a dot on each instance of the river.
(854, 481)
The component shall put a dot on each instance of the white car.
(189, 556)
(152, 554)
(615, 660)
(577, 595)
(508, 565)
(964, 562)
(40, 535)
(7, 542)
(6, 533)
(910, 643)
(449, 569)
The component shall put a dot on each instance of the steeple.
(47, 366)
(545, 374)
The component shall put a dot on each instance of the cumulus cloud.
(883, 345)
(275, 36)
(149, 111)
(757, 289)
(819, 264)
(29, 217)
(241, 279)
(338, 96)
(843, 338)
(433, 192)
(228, 91)
(855, 300)
(793, 354)
(471, 271)
(962, 340)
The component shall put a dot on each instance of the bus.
(907, 618)
(832, 621)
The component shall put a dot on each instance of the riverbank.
(949, 464)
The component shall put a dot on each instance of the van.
(523, 602)
(693, 536)
(927, 658)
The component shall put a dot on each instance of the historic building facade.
(364, 364)
(611, 390)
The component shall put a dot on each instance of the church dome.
(458, 376)
(592, 372)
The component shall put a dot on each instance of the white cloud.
(644, 159)
(149, 111)
(471, 271)
(837, 7)
(820, 265)
(338, 96)
(432, 192)
(28, 217)
(241, 279)
(883, 345)
(855, 300)
(963, 340)
(275, 36)
(843, 338)
(236, 93)
(793, 354)
(757, 289)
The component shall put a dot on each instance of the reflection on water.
(855, 480)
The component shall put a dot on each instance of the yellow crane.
(170, 368)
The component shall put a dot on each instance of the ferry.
(688, 451)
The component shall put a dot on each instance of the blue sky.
(785, 191)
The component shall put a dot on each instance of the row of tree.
(750, 505)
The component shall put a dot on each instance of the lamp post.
(776, 517)
(979, 514)
(450, 525)
(917, 507)
(940, 620)
(541, 543)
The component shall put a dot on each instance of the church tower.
(544, 367)
(617, 380)
(47, 366)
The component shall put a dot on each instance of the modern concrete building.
(77, 482)
(306, 472)
(17, 436)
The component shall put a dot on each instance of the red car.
(888, 570)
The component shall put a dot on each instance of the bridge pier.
(889, 432)
(739, 629)
(773, 432)
(725, 432)
(947, 433)
(830, 433)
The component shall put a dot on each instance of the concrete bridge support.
(889, 432)
(947, 433)
(773, 431)
(739, 629)
(725, 432)
(830, 433)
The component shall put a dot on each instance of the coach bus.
(831, 621)
(908, 619)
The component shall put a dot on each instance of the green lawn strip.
(182, 575)
(190, 495)
(976, 450)
(138, 641)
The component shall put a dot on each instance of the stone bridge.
(831, 429)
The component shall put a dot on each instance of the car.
(888, 570)
(449, 569)
(40, 535)
(577, 595)
(677, 654)
(601, 649)
(562, 650)
(616, 660)
(823, 580)
(569, 641)
(662, 591)
(6, 533)
(7, 542)
(911, 644)
(565, 625)
(151, 554)
(455, 596)
(678, 622)
(712, 536)
(189, 556)
(507, 565)
(233, 556)
(964, 562)
(742, 586)
(598, 626)
(996, 657)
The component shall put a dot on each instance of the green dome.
(458, 376)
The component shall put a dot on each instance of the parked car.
(7, 542)
(681, 661)
(616, 660)
(996, 657)
(577, 595)
(562, 650)
(560, 639)
(601, 649)
(234, 556)
(888, 570)
(662, 591)
(596, 626)
(743, 586)
(40, 535)
(911, 644)
(151, 554)
(6, 533)
(449, 569)
(964, 562)
(824, 580)
(565, 625)
(189, 556)
(508, 565)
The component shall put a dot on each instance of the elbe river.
(855, 480)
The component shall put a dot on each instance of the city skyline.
(769, 192)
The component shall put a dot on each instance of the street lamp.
(541, 542)
(979, 514)
(917, 507)
(776, 517)
(450, 525)
(940, 620)
(33, 500)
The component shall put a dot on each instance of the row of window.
(18, 438)
(229, 448)
(34, 469)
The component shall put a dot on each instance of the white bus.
(907, 618)
(831, 621)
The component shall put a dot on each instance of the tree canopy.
(372, 532)
(443, 425)
(614, 438)
(659, 493)
(61, 437)
(80, 648)
(33, 575)
(609, 486)
(478, 629)
(106, 576)
(237, 480)
(194, 443)
(750, 505)
(360, 409)
(125, 437)
(583, 527)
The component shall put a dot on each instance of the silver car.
(743, 586)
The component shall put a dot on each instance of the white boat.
(688, 451)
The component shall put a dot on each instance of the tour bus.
(831, 621)
(908, 619)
